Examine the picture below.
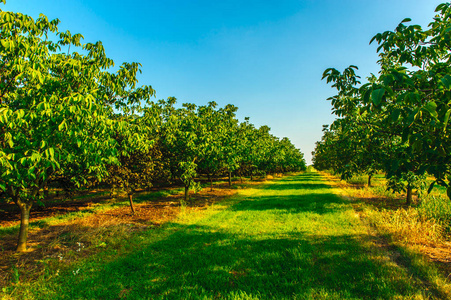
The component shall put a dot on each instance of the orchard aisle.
(292, 238)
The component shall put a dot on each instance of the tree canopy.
(66, 116)
(404, 110)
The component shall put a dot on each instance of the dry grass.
(407, 226)
(403, 225)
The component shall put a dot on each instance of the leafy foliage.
(405, 109)
(66, 117)
(55, 117)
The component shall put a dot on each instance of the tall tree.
(55, 109)
(409, 100)
(414, 88)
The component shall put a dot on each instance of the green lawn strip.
(289, 239)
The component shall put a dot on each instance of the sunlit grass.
(291, 239)
(436, 207)
(428, 220)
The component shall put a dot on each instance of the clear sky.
(265, 57)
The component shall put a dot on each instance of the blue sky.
(266, 57)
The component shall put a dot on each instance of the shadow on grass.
(306, 181)
(302, 193)
(200, 262)
(206, 262)
(320, 204)
(299, 186)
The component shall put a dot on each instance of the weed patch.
(423, 228)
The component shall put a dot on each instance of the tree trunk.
(252, 177)
(211, 182)
(130, 199)
(230, 178)
(46, 191)
(409, 194)
(369, 179)
(25, 208)
(186, 193)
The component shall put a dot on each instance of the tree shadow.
(198, 261)
(302, 193)
(208, 262)
(320, 204)
(298, 186)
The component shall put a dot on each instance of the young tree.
(230, 141)
(136, 154)
(184, 141)
(215, 129)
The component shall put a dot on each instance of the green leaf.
(431, 107)
(440, 7)
(395, 114)
(446, 81)
(61, 126)
(413, 116)
(35, 156)
(377, 95)
(446, 119)
(417, 145)
(52, 152)
(5, 43)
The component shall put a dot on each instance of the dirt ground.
(75, 235)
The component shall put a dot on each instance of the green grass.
(358, 179)
(293, 238)
(437, 208)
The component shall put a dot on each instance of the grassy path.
(290, 239)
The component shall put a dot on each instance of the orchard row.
(397, 122)
(66, 118)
